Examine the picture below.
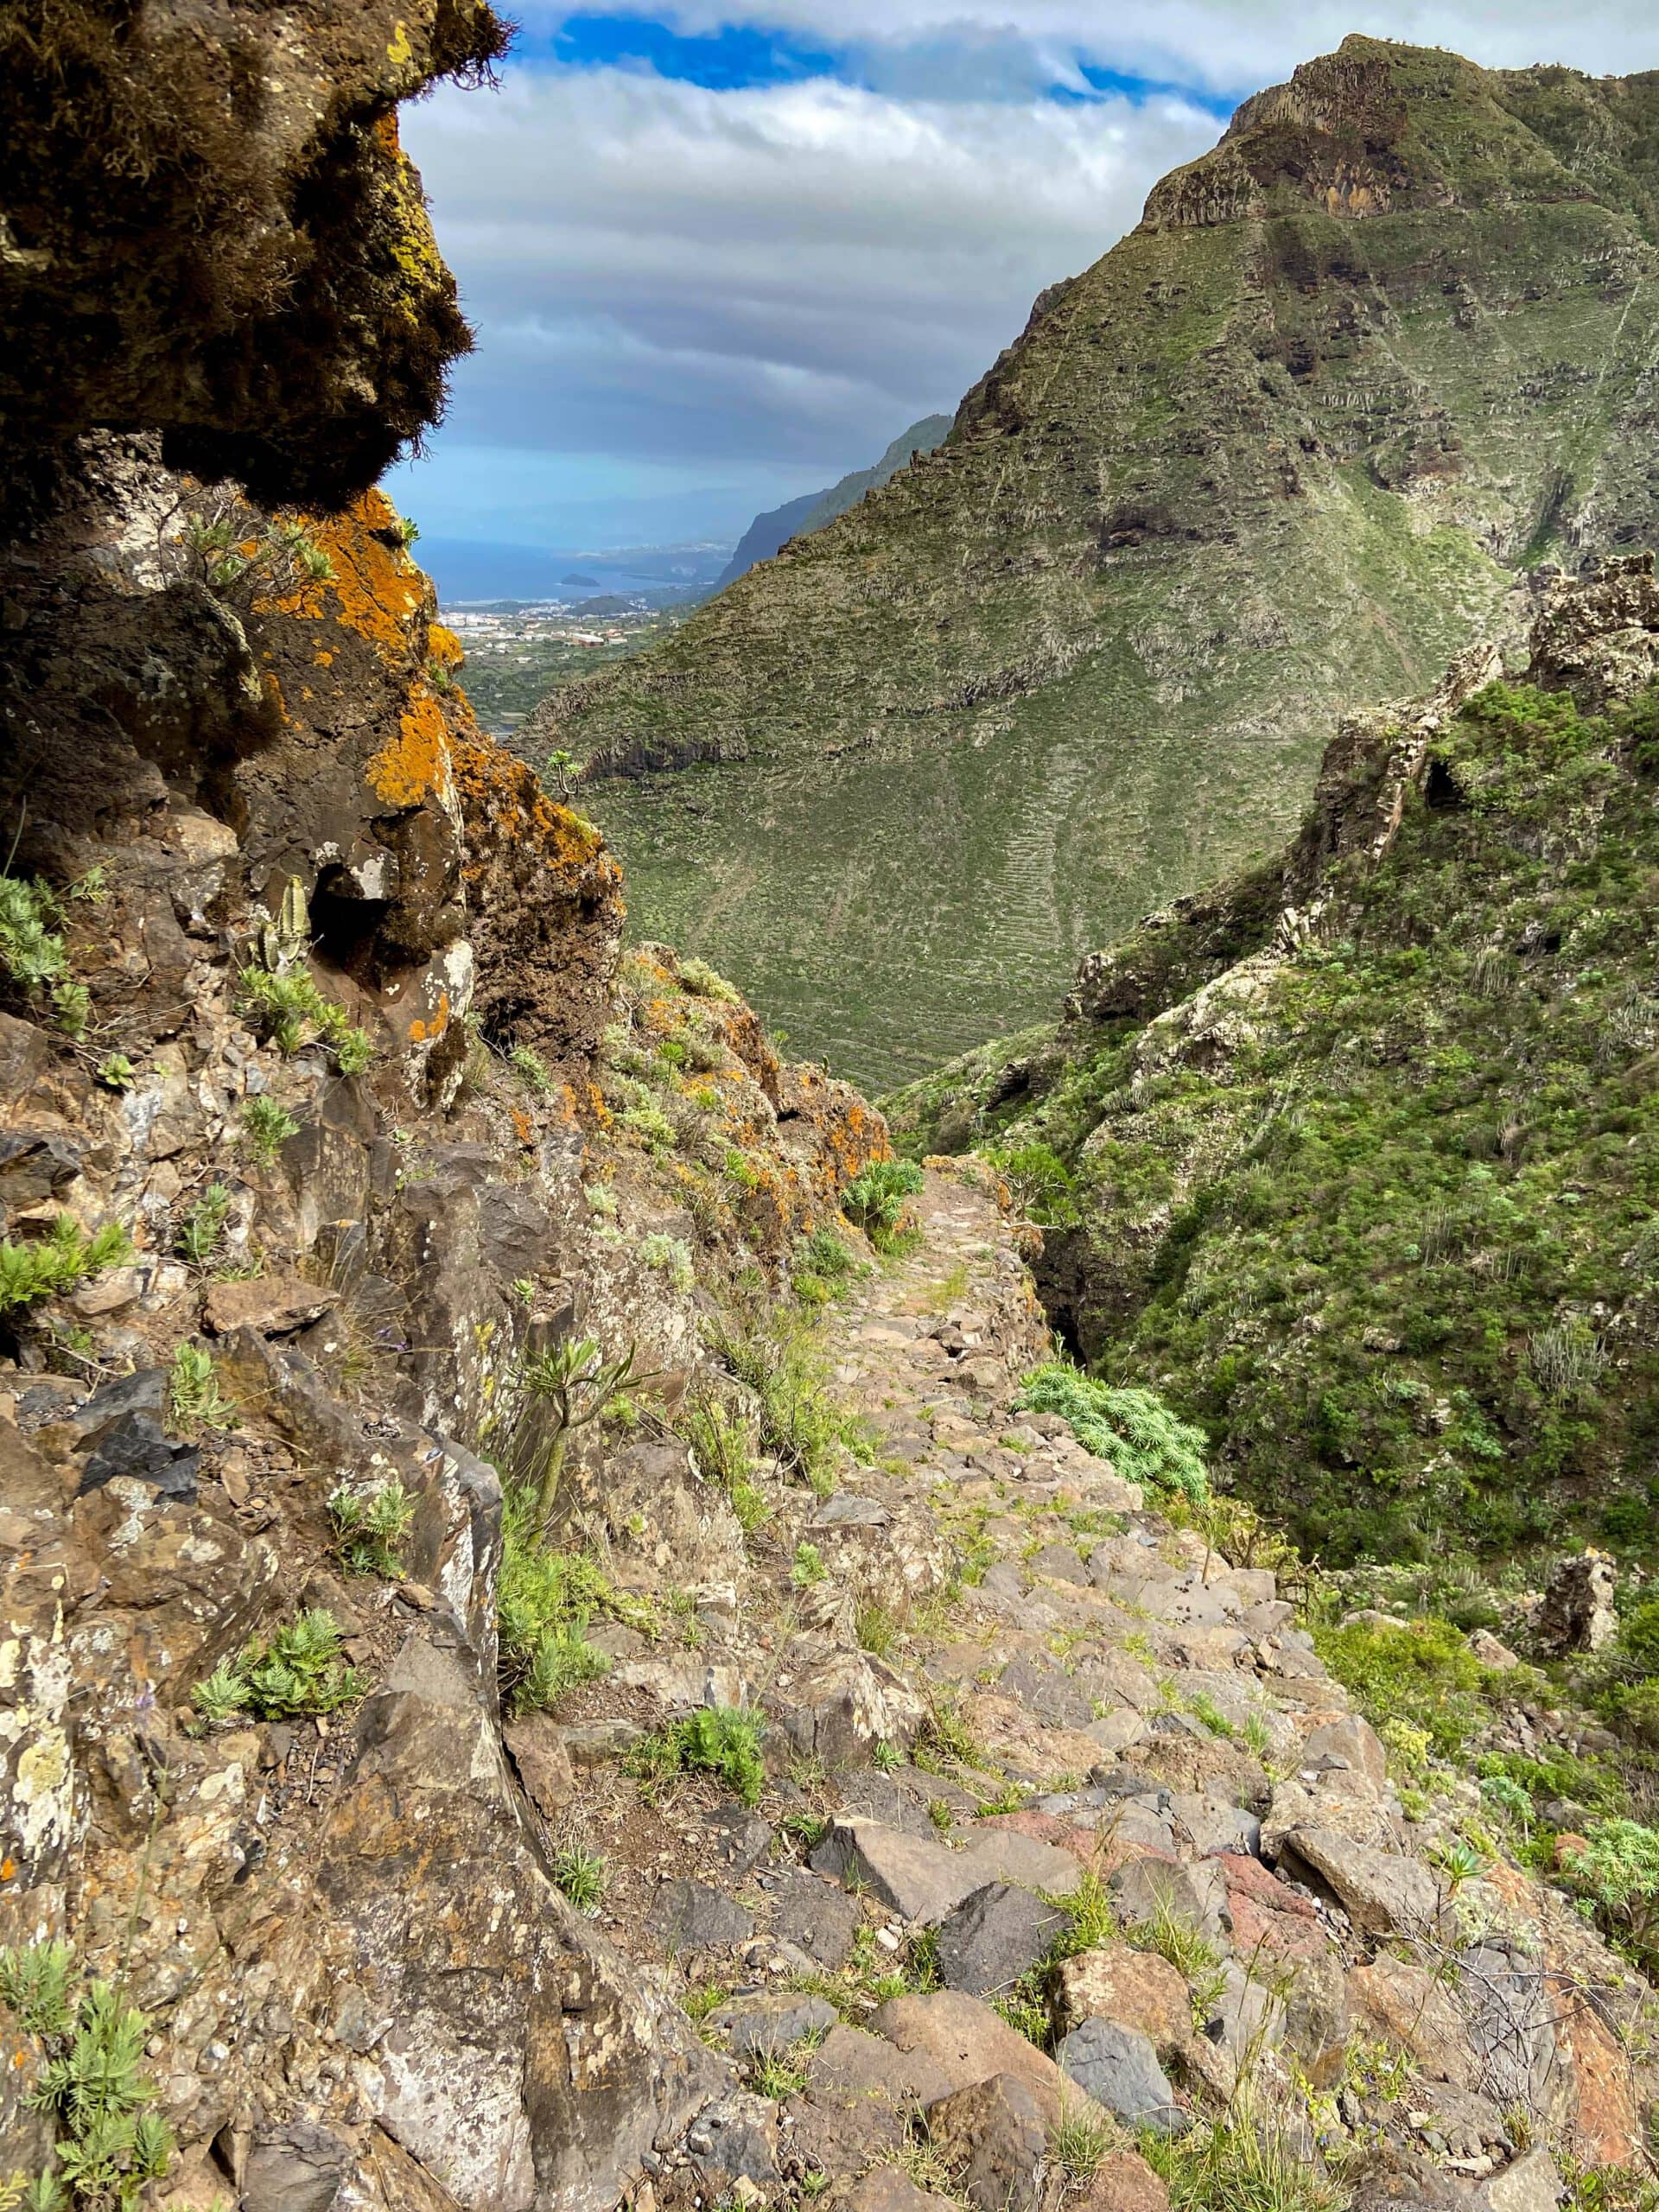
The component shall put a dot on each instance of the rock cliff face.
(1283, 451)
(207, 230)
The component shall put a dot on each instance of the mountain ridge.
(1286, 445)
(769, 533)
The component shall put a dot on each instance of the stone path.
(1101, 1834)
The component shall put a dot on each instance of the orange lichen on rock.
(375, 589)
(413, 765)
(443, 647)
(492, 785)
(426, 1033)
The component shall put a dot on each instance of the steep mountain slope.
(1359, 1153)
(768, 533)
(1282, 450)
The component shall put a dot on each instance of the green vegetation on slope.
(1381, 1213)
(1263, 460)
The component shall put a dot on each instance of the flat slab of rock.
(967, 2042)
(1118, 2068)
(687, 1916)
(885, 2189)
(771, 2023)
(274, 1305)
(544, 1763)
(1006, 1854)
(860, 2099)
(815, 1916)
(1150, 1888)
(920, 1880)
(1383, 1892)
(993, 1936)
(1136, 1988)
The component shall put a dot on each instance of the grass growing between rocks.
(715, 1739)
(545, 1599)
(776, 1355)
(1240, 2163)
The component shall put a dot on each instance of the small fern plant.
(111, 2144)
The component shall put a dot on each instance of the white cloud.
(786, 274)
(1227, 43)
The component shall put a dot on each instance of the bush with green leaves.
(544, 1599)
(560, 1389)
(776, 1355)
(1617, 1878)
(369, 1527)
(722, 1438)
(194, 1400)
(1418, 1672)
(286, 1007)
(60, 1261)
(111, 2143)
(266, 1126)
(715, 1739)
(34, 958)
(875, 1198)
(581, 1876)
(202, 1229)
(1143, 1437)
(670, 1257)
(299, 1670)
(697, 977)
(532, 1070)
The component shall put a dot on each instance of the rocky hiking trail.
(1070, 1847)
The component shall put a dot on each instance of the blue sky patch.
(724, 60)
(737, 57)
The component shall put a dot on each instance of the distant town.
(516, 652)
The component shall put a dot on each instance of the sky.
(718, 252)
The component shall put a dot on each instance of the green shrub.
(581, 1876)
(110, 2144)
(776, 1355)
(193, 1400)
(116, 1072)
(266, 1126)
(875, 1198)
(369, 1528)
(719, 1435)
(807, 1568)
(297, 1670)
(824, 1255)
(34, 959)
(697, 977)
(290, 1012)
(1617, 1875)
(715, 1739)
(1144, 1440)
(532, 1071)
(1421, 1672)
(203, 1227)
(670, 1257)
(58, 1262)
(564, 1387)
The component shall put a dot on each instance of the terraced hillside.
(1284, 449)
